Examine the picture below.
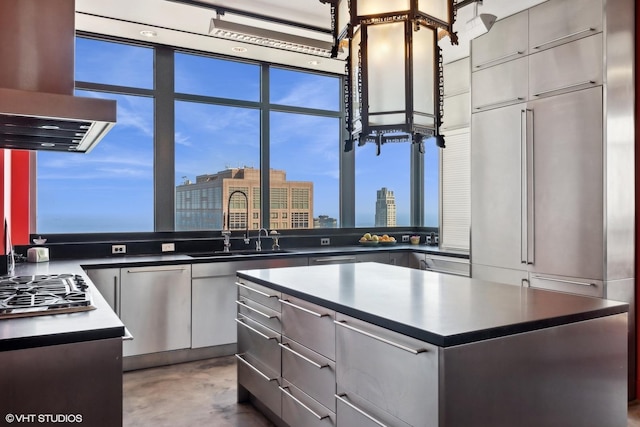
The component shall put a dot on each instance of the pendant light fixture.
(394, 84)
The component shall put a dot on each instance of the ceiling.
(186, 24)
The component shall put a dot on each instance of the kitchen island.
(369, 344)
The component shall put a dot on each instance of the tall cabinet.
(552, 148)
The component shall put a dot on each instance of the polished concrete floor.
(203, 393)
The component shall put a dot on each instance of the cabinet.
(387, 371)
(537, 186)
(376, 256)
(259, 357)
(107, 280)
(214, 298)
(500, 85)
(507, 40)
(555, 22)
(155, 305)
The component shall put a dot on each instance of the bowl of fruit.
(369, 239)
(387, 240)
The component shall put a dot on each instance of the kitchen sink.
(235, 252)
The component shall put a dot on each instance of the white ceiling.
(187, 26)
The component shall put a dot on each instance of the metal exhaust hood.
(38, 110)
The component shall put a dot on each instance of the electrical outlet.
(118, 249)
(405, 239)
(325, 241)
(168, 247)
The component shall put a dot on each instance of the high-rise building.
(325, 221)
(385, 208)
(204, 204)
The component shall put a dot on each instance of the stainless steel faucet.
(227, 232)
(259, 242)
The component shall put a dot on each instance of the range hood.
(38, 110)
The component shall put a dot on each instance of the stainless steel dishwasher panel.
(156, 307)
(259, 342)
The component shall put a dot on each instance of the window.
(279, 198)
(389, 171)
(274, 215)
(308, 90)
(109, 189)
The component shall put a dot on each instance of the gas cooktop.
(23, 296)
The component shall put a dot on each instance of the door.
(567, 175)
(496, 193)
(156, 308)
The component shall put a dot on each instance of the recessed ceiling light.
(314, 62)
(47, 144)
(239, 49)
(148, 33)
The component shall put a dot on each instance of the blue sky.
(110, 189)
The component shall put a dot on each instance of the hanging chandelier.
(394, 85)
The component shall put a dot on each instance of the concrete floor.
(203, 393)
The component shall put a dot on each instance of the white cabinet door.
(496, 187)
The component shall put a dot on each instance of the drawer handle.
(267, 316)
(384, 340)
(265, 336)
(264, 294)
(341, 398)
(508, 55)
(588, 82)
(258, 371)
(577, 33)
(316, 364)
(306, 310)
(127, 335)
(156, 270)
(335, 258)
(571, 282)
(496, 104)
(295, 399)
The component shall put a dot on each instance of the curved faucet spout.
(259, 242)
(227, 231)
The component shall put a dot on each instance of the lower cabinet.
(155, 305)
(395, 374)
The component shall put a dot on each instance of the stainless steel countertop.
(441, 309)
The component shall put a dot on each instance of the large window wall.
(273, 131)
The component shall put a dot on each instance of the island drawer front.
(298, 409)
(310, 372)
(394, 372)
(310, 325)
(258, 293)
(259, 342)
(260, 382)
(259, 313)
(580, 286)
(353, 411)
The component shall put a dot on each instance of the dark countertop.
(53, 329)
(441, 309)
(102, 322)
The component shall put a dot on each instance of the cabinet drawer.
(355, 412)
(457, 77)
(298, 409)
(259, 313)
(394, 372)
(260, 343)
(258, 293)
(309, 325)
(260, 382)
(507, 40)
(499, 275)
(502, 85)
(580, 286)
(449, 265)
(572, 66)
(310, 372)
(457, 112)
(555, 22)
